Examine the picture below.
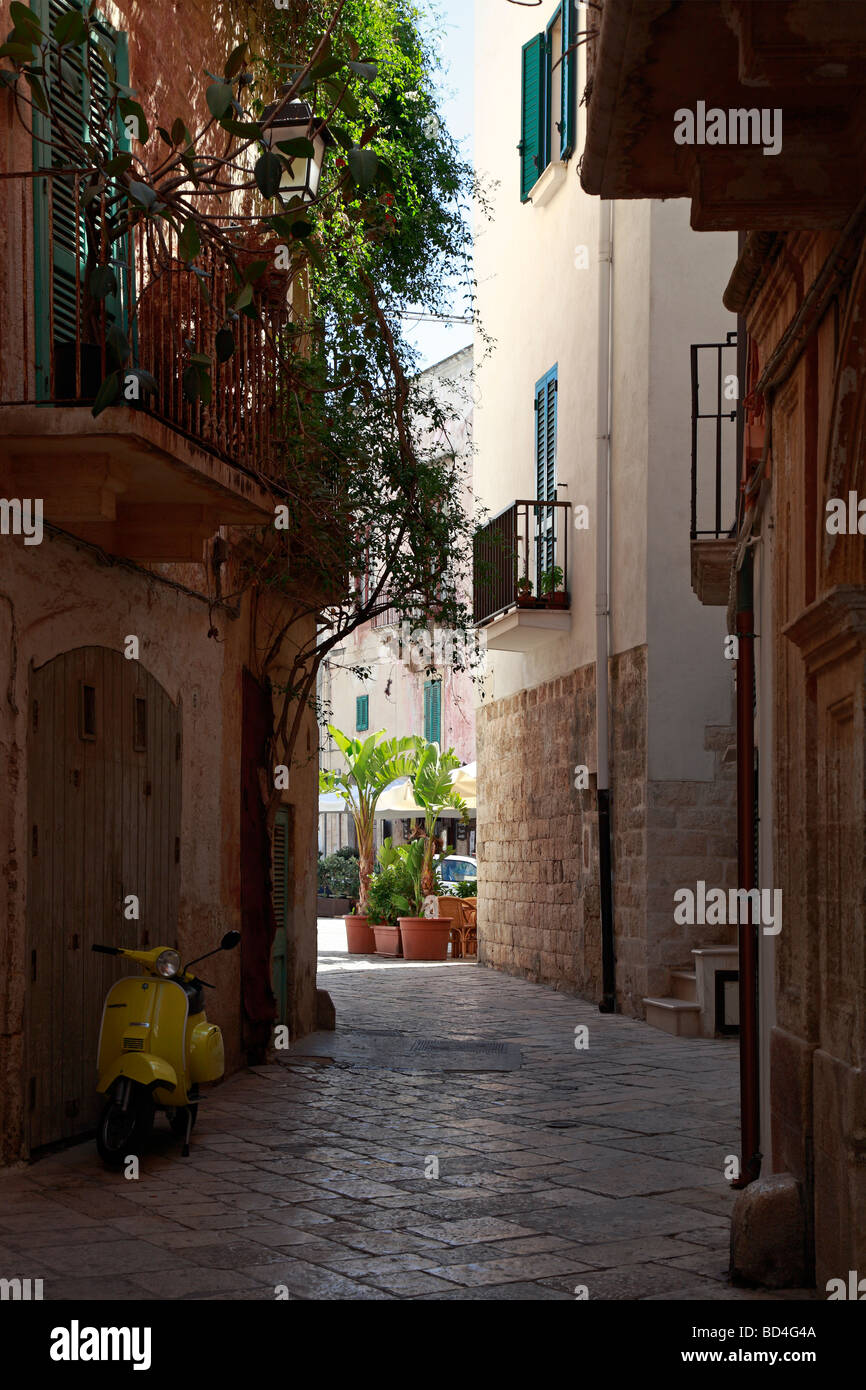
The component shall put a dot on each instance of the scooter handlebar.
(107, 950)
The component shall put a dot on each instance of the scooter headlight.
(167, 964)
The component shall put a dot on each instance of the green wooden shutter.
(545, 467)
(531, 145)
(362, 713)
(59, 244)
(280, 864)
(433, 711)
(569, 81)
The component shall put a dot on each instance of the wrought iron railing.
(716, 386)
(525, 542)
(167, 312)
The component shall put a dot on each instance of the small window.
(362, 713)
(87, 711)
(139, 737)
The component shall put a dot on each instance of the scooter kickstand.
(185, 1149)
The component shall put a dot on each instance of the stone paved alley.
(599, 1167)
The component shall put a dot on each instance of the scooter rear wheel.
(124, 1132)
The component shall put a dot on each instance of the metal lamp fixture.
(293, 120)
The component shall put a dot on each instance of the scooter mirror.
(230, 940)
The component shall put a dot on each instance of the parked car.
(455, 869)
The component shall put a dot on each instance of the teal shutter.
(545, 467)
(569, 81)
(433, 711)
(280, 861)
(59, 238)
(532, 90)
(362, 713)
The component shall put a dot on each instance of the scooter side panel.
(145, 1017)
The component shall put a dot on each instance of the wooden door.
(104, 777)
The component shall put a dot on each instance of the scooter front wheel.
(124, 1132)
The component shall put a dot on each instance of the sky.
(435, 340)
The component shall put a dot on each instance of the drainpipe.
(750, 1166)
(602, 603)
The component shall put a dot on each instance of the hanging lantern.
(289, 121)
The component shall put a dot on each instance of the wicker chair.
(453, 908)
(470, 926)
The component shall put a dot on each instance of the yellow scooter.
(155, 1049)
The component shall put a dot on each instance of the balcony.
(519, 556)
(150, 477)
(715, 449)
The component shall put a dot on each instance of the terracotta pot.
(526, 601)
(425, 938)
(359, 936)
(558, 599)
(387, 940)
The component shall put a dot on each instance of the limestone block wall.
(539, 912)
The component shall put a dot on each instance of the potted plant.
(424, 934)
(392, 891)
(524, 593)
(339, 883)
(551, 587)
(370, 766)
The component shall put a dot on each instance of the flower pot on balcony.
(558, 599)
(527, 601)
(359, 936)
(387, 939)
(425, 938)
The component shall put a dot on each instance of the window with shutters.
(78, 91)
(548, 96)
(362, 713)
(433, 711)
(545, 467)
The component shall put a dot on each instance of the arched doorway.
(104, 792)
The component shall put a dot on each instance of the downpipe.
(750, 1115)
(607, 1003)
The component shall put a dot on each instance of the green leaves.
(219, 97)
(362, 166)
(70, 28)
(224, 344)
(268, 173)
(296, 147)
(107, 394)
(142, 194)
(365, 70)
(189, 241)
(129, 108)
(102, 283)
(235, 61)
(196, 380)
(26, 22)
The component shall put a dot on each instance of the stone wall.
(691, 835)
(539, 910)
(538, 902)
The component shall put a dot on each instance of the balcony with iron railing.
(520, 591)
(716, 377)
(180, 451)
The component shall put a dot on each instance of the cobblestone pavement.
(599, 1167)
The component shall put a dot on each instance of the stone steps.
(689, 1011)
(677, 1016)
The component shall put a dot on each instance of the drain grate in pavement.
(400, 1052)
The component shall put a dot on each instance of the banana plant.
(434, 790)
(370, 766)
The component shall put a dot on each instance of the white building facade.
(583, 439)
